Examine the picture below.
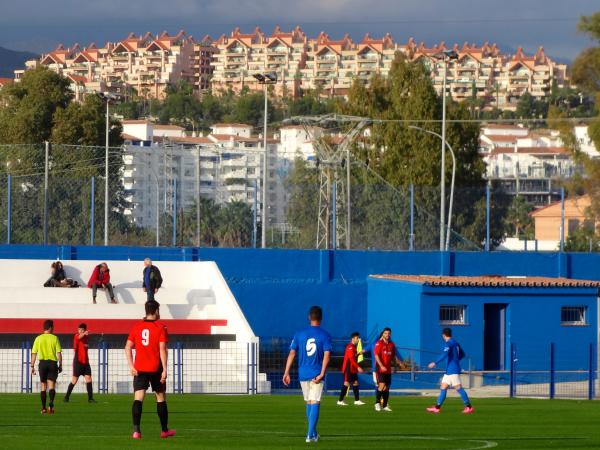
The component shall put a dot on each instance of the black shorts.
(385, 378)
(48, 370)
(80, 370)
(145, 379)
(350, 377)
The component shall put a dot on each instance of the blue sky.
(38, 25)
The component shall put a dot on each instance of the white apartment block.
(529, 163)
(221, 167)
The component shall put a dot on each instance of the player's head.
(58, 265)
(446, 334)
(49, 325)
(82, 328)
(315, 314)
(147, 262)
(152, 309)
(103, 267)
(386, 334)
(354, 337)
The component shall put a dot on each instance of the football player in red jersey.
(351, 369)
(149, 338)
(385, 353)
(81, 363)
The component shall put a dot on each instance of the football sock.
(386, 396)
(356, 396)
(52, 393)
(307, 411)
(343, 392)
(313, 419)
(90, 391)
(43, 397)
(163, 415)
(441, 397)
(309, 408)
(69, 390)
(464, 396)
(378, 396)
(136, 412)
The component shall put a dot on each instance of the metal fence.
(224, 368)
(179, 196)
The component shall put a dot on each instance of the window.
(453, 314)
(573, 315)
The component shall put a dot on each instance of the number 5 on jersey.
(311, 347)
(145, 337)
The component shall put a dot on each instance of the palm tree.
(235, 224)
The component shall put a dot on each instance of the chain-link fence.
(188, 196)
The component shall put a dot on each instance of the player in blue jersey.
(313, 346)
(453, 353)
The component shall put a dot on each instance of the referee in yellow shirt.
(46, 348)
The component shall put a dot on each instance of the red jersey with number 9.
(146, 337)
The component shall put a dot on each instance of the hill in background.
(11, 60)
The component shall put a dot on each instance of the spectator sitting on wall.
(58, 277)
(101, 279)
(152, 280)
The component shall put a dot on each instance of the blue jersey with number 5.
(310, 345)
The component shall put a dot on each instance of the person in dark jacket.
(101, 279)
(58, 278)
(151, 280)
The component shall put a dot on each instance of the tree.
(235, 224)
(518, 218)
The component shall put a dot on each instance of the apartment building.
(528, 163)
(240, 56)
(222, 167)
(201, 64)
(146, 64)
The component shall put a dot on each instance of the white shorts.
(312, 391)
(452, 380)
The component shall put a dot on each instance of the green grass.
(278, 421)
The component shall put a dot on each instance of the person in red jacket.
(101, 279)
(351, 369)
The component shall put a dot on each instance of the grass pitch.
(278, 421)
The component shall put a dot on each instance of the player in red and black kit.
(351, 369)
(384, 353)
(81, 363)
(149, 338)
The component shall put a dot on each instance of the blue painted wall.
(532, 321)
(276, 287)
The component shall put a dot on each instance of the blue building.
(488, 314)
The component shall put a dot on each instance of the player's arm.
(33, 359)
(59, 358)
(129, 356)
(353, 363)
(442, 357)
(288, 367)
(399, 360)
(163, 360)
(378, 359)
(326, 359)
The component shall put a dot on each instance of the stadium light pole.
(444, 56)
(265, 79)
(106, 96)
(445, 144)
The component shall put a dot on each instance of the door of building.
(494, 336)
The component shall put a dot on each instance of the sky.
(39, 25)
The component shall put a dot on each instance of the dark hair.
(48, 324)
(386, 329)
(82, 325)
(355, 334)
(315, 313)
(59, 264)
(447, 332)
(151, 307)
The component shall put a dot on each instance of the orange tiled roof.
(490, 281)
(531, 150)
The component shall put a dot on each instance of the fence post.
(9, 209)
(178, 368)
(248, 368)
(552, 372)
(26, 381)
(92, 212)
(591, 373)
(174, 238)
(513, 361)
(562, 219)
(46, 157)
(103, 367)
(411, 239)
(254, 214)
(487, 217)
